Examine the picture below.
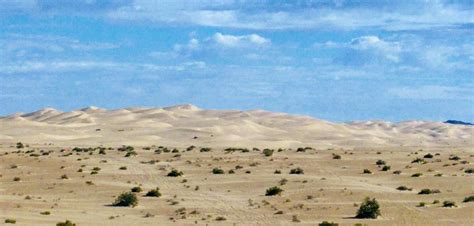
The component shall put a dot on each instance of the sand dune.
(182, 125)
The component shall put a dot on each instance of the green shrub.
(380, 162)
(335, 156)
(45, 213)
(136, 189)
(268, 152)
(327, 223)
(205, 150)
(386, 168)
(469, 199)
(397, 172)
(175, 173)
(217, 171)
(154, 193)
(220, 219)
(297, 170)
(367, 171)
(448, 203)
(403, 188)
(123, 168)
(428, 156)
(277, 172)
(369, 208)
(418, 160)
(66, 223)
(470, 170)
(16, 179)
(421, 204)
(454, 158)
(126, 199)
(10, 221)
(273, 191)
(20, 145)
(426, 191)
(416, 175)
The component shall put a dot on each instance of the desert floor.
(330, 189)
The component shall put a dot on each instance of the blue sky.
(336, 60)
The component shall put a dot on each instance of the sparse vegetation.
(448, 203)
(136, 189)
(66, 223)
(297, 171)
(153, 193)
(217, 171)
(175, 173)
(327, 223)
(268, 152)
(469, 199)
(126, 199)
(10, 221)
(273, 191)
(367, 171)
(369, 208)
(427, 191)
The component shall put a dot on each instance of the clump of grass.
(469, 199)
(427, 191)
(273, 191)
(369, 208)
(367, 171)
(10, 221)
(421, 204)
(217, 171)
(175, 173)
(45, 213)
(470, 170)
(297, 170)
(153, 193)
(126, 199)
(403, 188)
(448, 203)
(136, 189)
(268, 152)
(66, 223)
(327, 223)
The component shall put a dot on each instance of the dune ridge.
(182, 125)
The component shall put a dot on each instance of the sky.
(336, 60)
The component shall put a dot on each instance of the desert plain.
(57, 166)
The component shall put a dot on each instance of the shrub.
(369, 208)
(297, 171)
(205, 150)
(416, 175)
(397, 172)
(126, 199)
(123, 168)
(327, 223)
(130, 153)
(469, 199)
(367, 171)
(231, 171)
(421, 204)
(273, 191)
(380, 162)
(220, 219)
(277, 172)
(448, 203)
(335, 156)
(16, 179)
(64, 177)
(10, 221)
(386, 168)
(268, 152)
(426, 191)
(403, 188)
(454, 158)
(154, 193)
(136, 189)
(20, 145)
(418, 160)
(217, 171)
(66, 223)
(175, 173)
(45, 213)
(428, 156)
(470, 170)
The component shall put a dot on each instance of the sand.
(330, 189)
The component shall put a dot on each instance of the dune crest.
(187, 124)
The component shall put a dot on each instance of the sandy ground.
(330, 189)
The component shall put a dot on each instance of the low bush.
(217, 171)
(427, 191)
(367, 171)
(403, 188)
(297, 171)
(268, 152)
(327, 223)
(10, 221)
(273, 191)
(469, 199)
(126, 199)
(470, 170)
(369, 208)
(175, 173)
(416, 175)
(66, 223)
(136, 189)
(153, 193)
(277, 172)
(380, 162)
(335, 156)
(386, 168)
(448, 203)
(428, 156)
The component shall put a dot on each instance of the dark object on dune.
(456, 122)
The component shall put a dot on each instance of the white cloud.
(239, 41)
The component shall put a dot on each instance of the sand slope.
(187, 124)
